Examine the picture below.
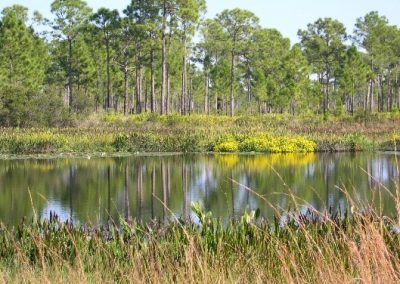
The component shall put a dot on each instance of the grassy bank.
(152, 133)
(310, 248)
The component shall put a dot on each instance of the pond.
(96, 190)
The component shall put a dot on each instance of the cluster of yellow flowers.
(228, 146)
(266, 144)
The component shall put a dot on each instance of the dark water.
(97, 189)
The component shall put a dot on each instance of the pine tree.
(22, 69)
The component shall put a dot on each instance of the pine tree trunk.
(126, 91)
(381, 101)
(398, 92)
(163, 60)
(184, 81)
(371, 99)
(145, 93)
(108, 76)
(206, 93)
(70, 80)
(169, 98)
(152, 79)
(327, 94)
(232, 83)
(138, 90)
(190, 96)
(367, 96)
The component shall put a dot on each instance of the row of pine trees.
(164, 56)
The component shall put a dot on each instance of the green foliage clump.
(392, 144)
(36, 142)
(151, 142)
(347, 143)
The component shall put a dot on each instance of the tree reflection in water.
(104, 189)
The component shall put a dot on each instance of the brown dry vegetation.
(311, 248)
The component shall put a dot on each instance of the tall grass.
(312, 247)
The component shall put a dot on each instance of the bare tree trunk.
(398, 92)
(352, 104)
(70, 79)
(138, 90)
(108, 76)
(126, 91)
(326, 100)
(232, 84)
(184, 80)
(248, 82)
(206, 93)
(163, 60)
(381, 100)
(152, 79)
(169, 98)
(366, 99)
(216, 104)
(145, 94)
(371, 99)
(190, 99)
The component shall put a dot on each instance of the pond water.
(96, 190)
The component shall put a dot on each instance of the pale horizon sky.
(288, 16)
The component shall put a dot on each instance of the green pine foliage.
(164, 57)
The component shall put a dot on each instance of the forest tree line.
(164, 56)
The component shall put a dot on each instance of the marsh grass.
(309, 247)
(152, 133)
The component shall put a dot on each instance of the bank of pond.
(53, 141)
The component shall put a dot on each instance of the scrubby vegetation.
(153, 133)
(302, 248)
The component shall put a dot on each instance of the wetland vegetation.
(152, 144)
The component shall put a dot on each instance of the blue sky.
(285, 15)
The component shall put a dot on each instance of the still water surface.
(99, 189)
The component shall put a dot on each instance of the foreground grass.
(310, 248)
(152, 133)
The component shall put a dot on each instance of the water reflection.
(104, 189)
